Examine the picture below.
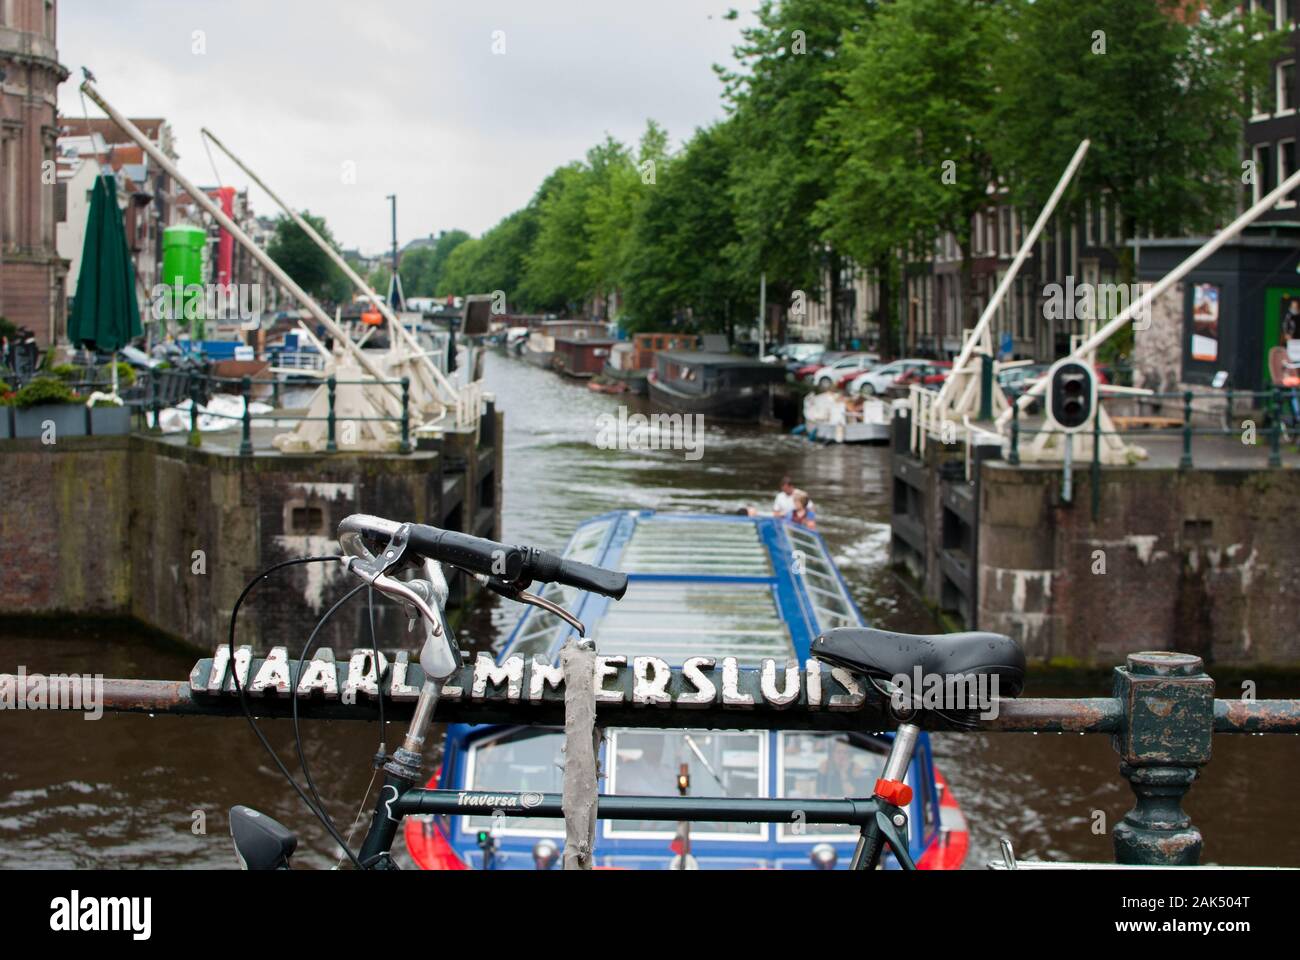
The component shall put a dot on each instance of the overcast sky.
(410, 93)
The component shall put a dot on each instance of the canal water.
(134, 791)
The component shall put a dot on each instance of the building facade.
(31, 271)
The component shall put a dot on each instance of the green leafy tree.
(308, 265)
(555, 276)
(674, 275)
(783, 84)
(1162, 90)
(911, 135)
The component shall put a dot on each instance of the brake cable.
(248, 712)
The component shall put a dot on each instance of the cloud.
(410, 93)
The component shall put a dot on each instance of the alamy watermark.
(946, 691)
(59, 691)
(222, 302)
(1095, 301)
(658, 431)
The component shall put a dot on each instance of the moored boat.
(831, 417)
(720, 385)
(721, 586)
(630, 363)
(581, 357)
(540, 347)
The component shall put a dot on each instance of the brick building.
(31, 271)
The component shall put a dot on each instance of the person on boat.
(837, 777)
(784, 501)
(802, 514)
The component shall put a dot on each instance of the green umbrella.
(106, 314)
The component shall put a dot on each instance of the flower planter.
(69, 420)
(110, 421)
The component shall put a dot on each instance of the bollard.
(1185, 462)
(1164, 740)
(330, 445)
(195, 438)
(405, 445)
(246, 441)
(1013, 456)
(1275, 439)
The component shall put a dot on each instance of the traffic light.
(1072, 394)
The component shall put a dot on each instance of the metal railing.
(202, 385)
(1162, 715)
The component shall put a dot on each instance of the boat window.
(677, 620)
(537, 635)
(825, 766)
(720, 764)
(700, 547)
(522, 761)
(830, 603)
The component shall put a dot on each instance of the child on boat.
(802, 514)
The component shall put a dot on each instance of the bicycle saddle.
(881, 655)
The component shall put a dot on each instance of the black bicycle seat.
(881, 654)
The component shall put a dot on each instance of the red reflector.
(894, 791)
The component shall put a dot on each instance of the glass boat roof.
(711, 585)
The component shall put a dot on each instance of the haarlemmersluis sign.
(702, 692)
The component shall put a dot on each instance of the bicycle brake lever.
(512, 592)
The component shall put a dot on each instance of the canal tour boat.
(698, 584)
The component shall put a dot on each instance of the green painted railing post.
(1013, 455)
(1185, 463)
(1168, 704)
(1275, 440)
(1096, 465)
(194, 412)
(1227, 414)
(154, 402)
(405, 446)
(986, 386)
(330, 445)
(246, 441)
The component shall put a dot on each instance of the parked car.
(816, 363)
(831, 374)
(880, 379)
(928, 375)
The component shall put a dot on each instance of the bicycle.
(262, 843)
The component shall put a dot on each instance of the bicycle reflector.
(1072, 394)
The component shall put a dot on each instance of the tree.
(911, 135)
(673, 269)
(308, 265)
(784, 84)
(1161, 89)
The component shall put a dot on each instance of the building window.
(1285, 76)
(1263, 153)
(1285, 167)
(1284, 16)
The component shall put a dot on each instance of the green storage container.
(184, 249)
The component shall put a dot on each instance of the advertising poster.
(1205, 322)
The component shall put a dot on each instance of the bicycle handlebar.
(477, 555)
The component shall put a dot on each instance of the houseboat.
(540, 348)
(630, 363)
(720, 385)
(581, 357)
(698, 585)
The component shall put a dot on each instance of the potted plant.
(109, 419)
(48, 399)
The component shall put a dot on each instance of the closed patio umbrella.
(105, 314)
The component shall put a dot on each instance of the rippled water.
(139, 791)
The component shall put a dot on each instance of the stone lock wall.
(169, 535)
